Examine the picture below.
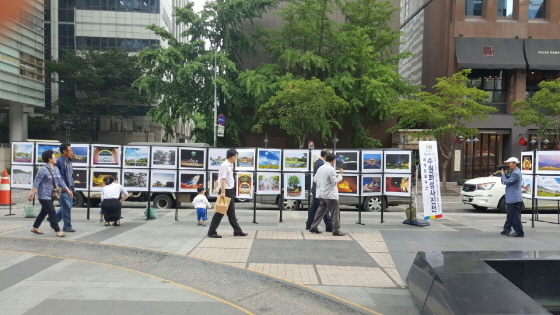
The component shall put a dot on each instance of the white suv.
(485, 192)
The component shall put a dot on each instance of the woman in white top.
(112, 197)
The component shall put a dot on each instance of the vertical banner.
(430, 179)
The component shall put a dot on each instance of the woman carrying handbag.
(49, 184)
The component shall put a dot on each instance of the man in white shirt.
(226, 184)
(327, 191)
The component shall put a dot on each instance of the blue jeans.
(64, 212)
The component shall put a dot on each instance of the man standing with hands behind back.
(514, 199)
(64, 165)
(226, 185)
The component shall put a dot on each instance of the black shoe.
(504, 233)
(240, 234)
(315, 230)
(328, 230)
(307, 228)
(216, 235)
(338, 233)
(517, 235)
(69, 230)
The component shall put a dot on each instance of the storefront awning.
(489, 53)
(543, 54)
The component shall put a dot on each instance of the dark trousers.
(513, 219)
(47, 208)
(217, 218)
(311, 215)
(111, 209)
(328, 206)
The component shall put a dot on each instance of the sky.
(549, 182)
(136, 153)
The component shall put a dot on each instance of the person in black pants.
(226, 184)
(315, 204)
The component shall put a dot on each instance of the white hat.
(512, 159)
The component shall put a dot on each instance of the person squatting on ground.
(514, 200)
(327, 191)
(315, 204)
(64, 165)
(46, 180)
(226, 184)
(112, 197)
(201, 204)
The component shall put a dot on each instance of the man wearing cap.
(514, 199)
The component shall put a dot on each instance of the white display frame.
(368, 176)
(356, 179)
(268, 191)
(26, 169)
(188, 174)
(366, 156)
(527, 162)
(155, 174)
(272, 151)
(245, 153)
(145, 153)
(210, 186)
(215, 158)
(538, 181)
(390, 154)
(542, 155)
(287, 154)
(244, 193)
(103, 147)
(527, 179)
(301, 178)
(135, 170)
(166, 150)
(389, 176)
(180, 153)
(29, 149)
(75, 161)
(87, 172)
(112, 171)
(48, 146)
(343, 153)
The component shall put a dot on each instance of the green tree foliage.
(293, 181)
(103, 84)
(445, 113)
(542, 110)
(354, 57)
(300, 107)
(181, 76)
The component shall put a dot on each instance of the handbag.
(57, 191)
(222, 205)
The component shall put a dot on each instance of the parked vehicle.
(370, 203)
(485, 193)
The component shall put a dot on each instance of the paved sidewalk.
(363, 271)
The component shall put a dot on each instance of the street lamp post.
(334, 140)
(404, 140)
(67, 125)
(266, 141)
(539, 141)
(472, 140)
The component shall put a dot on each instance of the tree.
(301, 107)
(100, 83)
(444, 113)
(354, 57)
(543, 110)
(293, 181)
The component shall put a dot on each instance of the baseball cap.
(512, 159)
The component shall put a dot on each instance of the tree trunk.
(444, 173)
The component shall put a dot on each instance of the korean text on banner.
(431, 192)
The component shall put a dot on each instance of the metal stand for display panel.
(10, 203)
(255, 183)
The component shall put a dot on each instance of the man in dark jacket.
(64, 165)
(315, 204)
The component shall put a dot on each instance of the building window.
(492, 82)
(505, 8)
(146, 6)
(535, 77)
(537, 9)
(103, 43)
(473, 7)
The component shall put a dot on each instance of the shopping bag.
(30, 211)
(153, 213)
(222, 204)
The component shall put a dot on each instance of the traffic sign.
(221, 119)
(221, 131)
(311, 145)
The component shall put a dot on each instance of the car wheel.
(502, 205)
(78, 200)
(372, 204)
(480, 208)
(242, 200)
(163, 202)
(289, 204)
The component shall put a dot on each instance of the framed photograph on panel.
(372, 161)
(192, 158)
(295, 161)
(164, 157)
(294, 187)
(81, 155)
(269, 159)
(136, 156)
(244, 185)
(163, 180)
(22, 152)
(268, 183)
(245, 160)
(371, 185)
(191, 180)
(526, 162)
(315, 155)
(99, 174)
(21, 176)
(349, 185)
(135, 179)
(548, 187)
(548, 162)
(347, 160)
(398, 162)
(397, 185)
(42, 147)
(216, 156)
(81, 178)
(105, 155)
(527, 186)
(212, 188)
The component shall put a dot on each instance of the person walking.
(112, 197)
(315, 204)
(201, 204)
(64, 165)
(514, 200)
(47, 179)
(327, 191)
(226, 184)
